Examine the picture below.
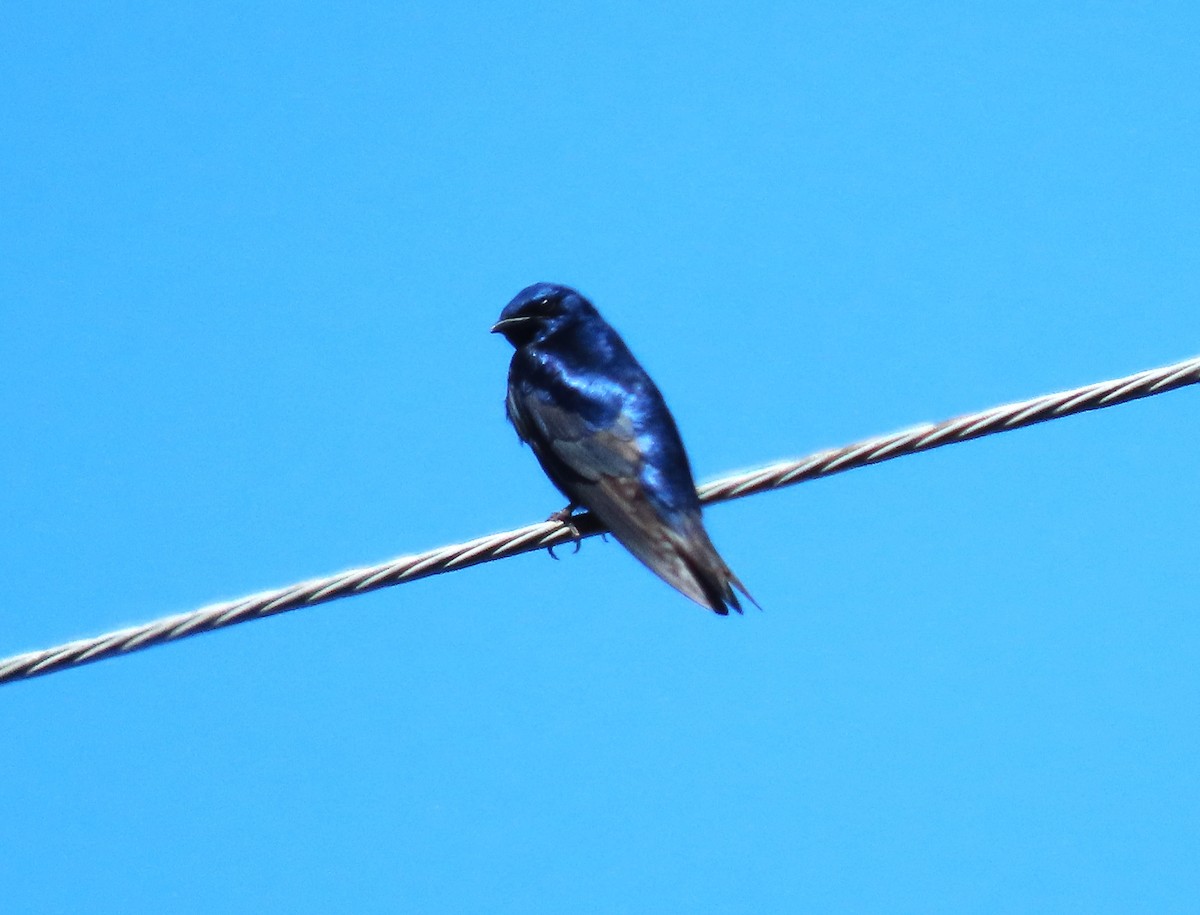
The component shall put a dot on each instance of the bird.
(601, 431)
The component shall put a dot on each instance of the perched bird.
(605, 438)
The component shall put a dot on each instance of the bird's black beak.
(503, 327)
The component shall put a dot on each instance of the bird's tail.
(696, 569)
(716, 582)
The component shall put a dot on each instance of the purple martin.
(604, 436)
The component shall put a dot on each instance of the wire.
(554, 533)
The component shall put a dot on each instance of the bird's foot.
(564, 516)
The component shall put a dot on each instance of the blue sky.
(248, 261)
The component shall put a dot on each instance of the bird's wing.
(601, 469)
(564, 438)
(677, 551)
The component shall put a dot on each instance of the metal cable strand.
(554, 533)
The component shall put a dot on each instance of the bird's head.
(539, 310)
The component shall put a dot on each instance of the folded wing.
(600, 467)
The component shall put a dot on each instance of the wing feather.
(601, 469)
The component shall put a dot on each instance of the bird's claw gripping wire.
(563, 516)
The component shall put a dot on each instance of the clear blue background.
(248, 260)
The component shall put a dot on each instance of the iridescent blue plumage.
(604, 436)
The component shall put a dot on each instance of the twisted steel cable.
(555, 533)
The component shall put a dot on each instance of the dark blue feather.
(604, 436)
